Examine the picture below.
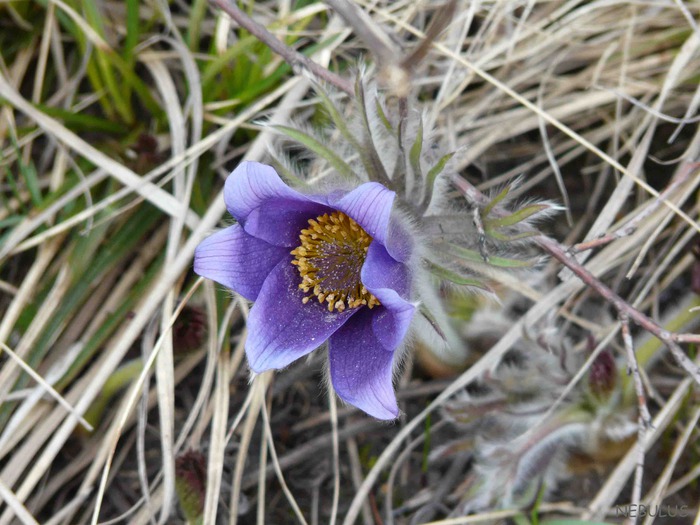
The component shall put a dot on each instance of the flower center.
(330, 258)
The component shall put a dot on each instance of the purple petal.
(399, 243)
(361, 370)
(370, 206)
(382, 272)
(281, 328)
(237, 260)
(266, 207)
(389, 281)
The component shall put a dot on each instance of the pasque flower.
(319, 268)
(352, 266)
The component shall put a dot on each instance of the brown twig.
(644, 416)
(378, 42)
(291, 56)
(631, 226)
(623, 308)
(442, 19)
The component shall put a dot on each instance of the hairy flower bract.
(319, 268)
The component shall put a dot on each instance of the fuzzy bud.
(191, 484)
(189, 330)
(602, 376)
(145, 154)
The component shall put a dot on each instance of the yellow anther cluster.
(330, 258)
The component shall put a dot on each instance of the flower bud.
(189, 330)
(602, 376)
(191, 484)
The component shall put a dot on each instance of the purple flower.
(319, 268)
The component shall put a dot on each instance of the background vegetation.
(124, 393)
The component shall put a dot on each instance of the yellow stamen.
(330, 258)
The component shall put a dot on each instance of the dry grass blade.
(150, 192)
(275, 462)
(659, 492)
(130, 402)
(218, 439)
(20, 510)
(164, 362)
(262, 485)
(257, 396)
(333, 406)
(52, 301)
(27, 289)
(85, 27)
(46, 386)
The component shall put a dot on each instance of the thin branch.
(378, 42)
(644, 416)
(291, 56)
(623, 308)
(561, 254)
(442, 19)
(631, 226)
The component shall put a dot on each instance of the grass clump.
(118, 124)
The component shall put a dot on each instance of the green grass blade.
(321, 150)
(133, 23)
